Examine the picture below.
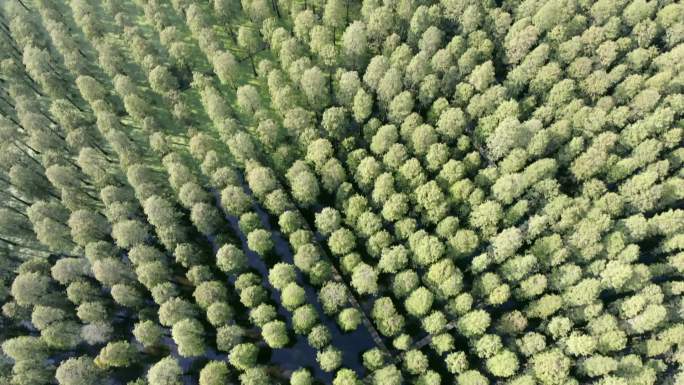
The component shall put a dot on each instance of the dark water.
(351, 344)
(299, 354)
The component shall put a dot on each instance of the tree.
(92, 312)
(451, 124)
(457, 362)
(389, 321)
(335, 122)
(503, 364)
(367, 171)
(435, 322)
(474, 323)
(319, 336)
(551, 366)
(373, 359)
(162, 81)
(165, 372)
(328, 220)
(419, 302)
(395, 207)
(335, 14)
(253, 296)
(87, 226)
(301, 377)
(355, 43)
(189, 336)
(314, 86)
(243, 356)
(365, 279)
(262, 314)
(226, 67)
(210, 292)
(333, 296)
(472, 377)
(307, 255)
(118, 354)
(67, 270)
(249, 40)
(78, 371)
(90, 89)
(228, 336)
(281, 274)
(305, 188)
(329, 359)
(346, 376)
(25, 348)
(129, 233)
(304, 318)
(388, 375)
(152, 274)
(427, 249)
(262, 180)
(30, 288)
(96, 333)
(231, 259)
(393, 259)
(400, 106)
(275, 334)
(349, 319)
(292, 296)
(255, 376)
(506, 243)
(83, 291)
(422, 138)
(148, 333)
(248, 99)
(384, 138)
(580, 344)
(368, 224)
(174, 310)
(214, 373)
(206, 218)
(415, 362)
(341, 241)
(404, 283)
(260, 241)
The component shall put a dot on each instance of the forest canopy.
(343, 192)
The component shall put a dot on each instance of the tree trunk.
(27, 154)
(23, 202)
(274, 3)
(251, 61)
(346, 9)
(24, 5)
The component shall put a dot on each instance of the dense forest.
(342, 192)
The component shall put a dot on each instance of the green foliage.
(147, 333)
(499, 178)
(243, 356)
(76, 371)
(166, 371)
(419, 302)
(214, 373)
(415, 362)
(329, 359)
(189, 336)
(275, 334)
(118, 354)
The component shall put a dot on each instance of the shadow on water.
(351, 344)
(299, 353)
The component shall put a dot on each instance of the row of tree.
(509, 178)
